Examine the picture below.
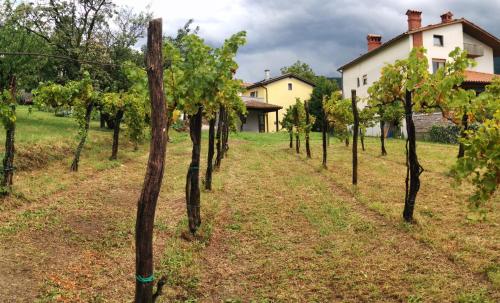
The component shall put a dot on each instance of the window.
(365, 79)
(254, 94)
(289, 86)
(438, 40)
(358, 81)
(437, 64)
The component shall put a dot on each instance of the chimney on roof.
(446, 17)
(267, 74)
(374, 41)
(414, 19)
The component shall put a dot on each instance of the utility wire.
(56, 57)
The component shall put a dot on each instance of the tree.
(366, 120)
(299, 122)
(300, 69)
(329, 107)
(73, 29)
(339, 112)
(387, 98)
(324, 87)
(309, 122)
(80, 96)
(422, 92)
(481, 161)
(287, 123)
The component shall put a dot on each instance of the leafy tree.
(80, 96)
(339, 115)
(201, 82)
(73, 29)
(309, 122)
(481, 160)
(366, 120)
(422, 92)
(386, 97)
(300, 69)
(324, 87)
(299, 122)
(287, 123)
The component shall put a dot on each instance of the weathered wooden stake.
(308, 148)
(146, 206)
(210, 158)
(355, 133)
(193, 174)
(10, 131)
(324, 131)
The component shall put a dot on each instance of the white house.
(439, 40)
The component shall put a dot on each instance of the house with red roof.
(438, 39)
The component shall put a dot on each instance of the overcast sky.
(323, 33)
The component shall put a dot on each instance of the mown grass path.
(276, 228)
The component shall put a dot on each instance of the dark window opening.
(289, 86)
(438, 40)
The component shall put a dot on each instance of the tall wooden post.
(355, 133)
(146, 205)
(277, 122)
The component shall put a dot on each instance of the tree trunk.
(463, 134)
(10, 131)
(211, 143)
(308, 148)
(413, 168)
(83, 137)
(146, 205)
(102, 120)
(297, 142)
(355, 132)
(116, 135)
(324, 138)
(192, 178)
(218, 158)
(362, 137)
(382, 137)
(347, 141)
(225, 135)
(291, 139)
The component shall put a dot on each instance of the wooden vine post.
(192, 179)
(146, 205)
(324, 131)
(355, 133)
(220, 126)
(116, 134)
(210, 157)
(308, 122)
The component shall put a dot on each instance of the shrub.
(444, 134)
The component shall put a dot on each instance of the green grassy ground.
(276, 227)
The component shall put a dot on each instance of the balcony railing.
(473, 50)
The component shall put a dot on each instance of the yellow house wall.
(279, 94)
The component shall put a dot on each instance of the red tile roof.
(468, 27)
(477, 77)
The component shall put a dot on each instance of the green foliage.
(481, 162)
(366, 118)
(199, 76)
(300, 69)
(7, 109)
(339, 114)
(324, 87)
(444, 134)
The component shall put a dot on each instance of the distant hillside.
(497, 65)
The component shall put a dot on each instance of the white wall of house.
(485, 63)
(371, 67)
(452, 38)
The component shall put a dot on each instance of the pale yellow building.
(278, 93)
